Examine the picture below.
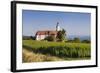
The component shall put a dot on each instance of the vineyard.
(61, 50)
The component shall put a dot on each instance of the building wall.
(40, 37)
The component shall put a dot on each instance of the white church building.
(40, 35)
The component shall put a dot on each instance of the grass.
(61, 50)
(38, 44)
(29, 56)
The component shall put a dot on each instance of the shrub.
(32, 37)
(77, 40)
(50, 38)
(85, 41)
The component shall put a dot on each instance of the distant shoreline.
(84, 37)
(71, 37)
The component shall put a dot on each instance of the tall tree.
(77, 40)
(61, 36)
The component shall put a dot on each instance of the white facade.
(58, 28)
(40, 37)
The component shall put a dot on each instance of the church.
(40, 35)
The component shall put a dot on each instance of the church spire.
(57, 27)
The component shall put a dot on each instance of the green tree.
(50, 38)
(86, 41)
(32, 37)
(77, 40)
(61, 36)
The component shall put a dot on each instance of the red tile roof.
(46, 32)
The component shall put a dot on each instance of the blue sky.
(74, 23)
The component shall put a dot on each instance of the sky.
(74, 23)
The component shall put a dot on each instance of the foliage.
(50, 38)
(70, 41)
(26, 38)
(77, 40)
(29, 37)
(33, 37)
(60, 49)
(86, 41)
(29, 56)
(61, 35)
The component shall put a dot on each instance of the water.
(71, 37)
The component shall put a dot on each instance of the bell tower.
(57, 27)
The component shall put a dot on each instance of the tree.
(32, 37)
(61, 35)
(50, 38)
(77, 40)
(86, 41)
